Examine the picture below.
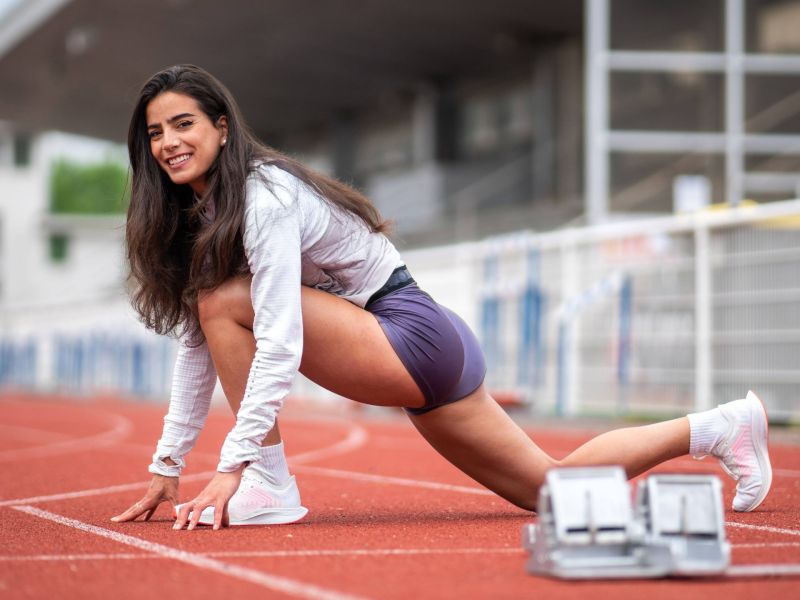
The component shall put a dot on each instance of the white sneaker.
(743, 451)
(258, 502)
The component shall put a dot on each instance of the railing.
(662, 315)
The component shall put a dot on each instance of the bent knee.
(230, 300)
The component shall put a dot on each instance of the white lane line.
(323, 471)
(357, 476)
(275, 583)
(120, 429)
(357, 436)
(112, 489)
(685, 464)
(762, 570)
(786, 472)
(763, 528)
(317, 553)
(767, 545)
(271, 554)
(29, 433)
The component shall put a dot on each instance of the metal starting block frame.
(589, 528)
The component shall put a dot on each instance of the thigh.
(477, 436)
(346, 351)
(344, 347)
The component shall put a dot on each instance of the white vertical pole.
(702, 315)
(424, 126)
(596, 108)
(571, 364)
(734, 100)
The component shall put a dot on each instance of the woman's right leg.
(231, 344)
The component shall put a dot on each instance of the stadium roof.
(77, 65)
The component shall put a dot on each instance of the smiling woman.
(266, 268)
(183, 139)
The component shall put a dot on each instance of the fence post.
(624, 341)
(703, 314)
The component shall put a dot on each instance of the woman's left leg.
(477, 436)
(345, 350)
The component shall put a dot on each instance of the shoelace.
(250, 481)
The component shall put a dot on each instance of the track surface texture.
(388, 517)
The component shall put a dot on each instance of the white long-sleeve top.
(291, 237)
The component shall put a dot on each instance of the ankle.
(272, 465)
(706, 429)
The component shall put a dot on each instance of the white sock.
(705, 430)
(272, 465)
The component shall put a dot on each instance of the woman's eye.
(184, 124)
(154, 134)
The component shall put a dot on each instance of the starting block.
(589, 528)
(684, 513)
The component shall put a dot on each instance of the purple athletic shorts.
(435, 345)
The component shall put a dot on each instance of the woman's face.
(183, 139)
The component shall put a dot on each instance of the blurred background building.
(537, 158)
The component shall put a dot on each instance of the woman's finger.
(198, 508)
(226, 521)
(183, 515)
(131, 514)
(220, 510)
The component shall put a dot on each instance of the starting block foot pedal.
(685, 514)
(588, 528)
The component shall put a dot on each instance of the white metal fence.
(664, 315)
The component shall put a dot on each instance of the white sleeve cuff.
(159, 467)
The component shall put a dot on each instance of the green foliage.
(59, 247)
(100, 188)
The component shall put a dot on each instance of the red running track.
(388, 517)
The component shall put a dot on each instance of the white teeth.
(178, 159)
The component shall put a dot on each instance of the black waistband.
(399, 278)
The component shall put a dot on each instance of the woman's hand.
(162, 489)
(216, 494)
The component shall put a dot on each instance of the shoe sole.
(272, 516)
(759, 424)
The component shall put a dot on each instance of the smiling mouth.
(178, 160)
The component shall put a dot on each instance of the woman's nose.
(171, 141)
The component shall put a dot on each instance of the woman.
(264, 267)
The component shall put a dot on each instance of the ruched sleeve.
(193, 381)
(272, 242)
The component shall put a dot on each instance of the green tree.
(100, 188)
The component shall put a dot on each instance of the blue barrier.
(532, 347)
(490, 317)
(89, 363)
(18, 361)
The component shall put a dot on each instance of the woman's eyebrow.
(171, 119)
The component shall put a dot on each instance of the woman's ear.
(222, 125)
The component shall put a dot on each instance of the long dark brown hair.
(174, 254)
